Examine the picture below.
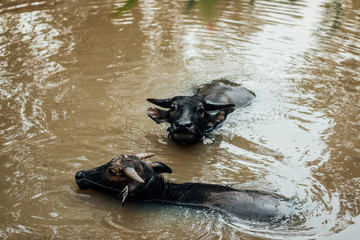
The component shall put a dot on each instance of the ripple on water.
(73, 84)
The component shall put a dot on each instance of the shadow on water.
(207, 9)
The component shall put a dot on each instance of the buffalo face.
(190, 117)
(123, 175)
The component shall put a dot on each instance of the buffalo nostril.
(187, 124)
(79, 175)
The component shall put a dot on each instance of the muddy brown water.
(73, 84)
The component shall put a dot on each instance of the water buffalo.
(128, 177)
(191, 118)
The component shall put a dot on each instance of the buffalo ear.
(211, 106)
(158, 115)
(160, 167)
(165, 103)
(216, 119)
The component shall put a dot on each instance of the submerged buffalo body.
(193, 117)
(128, 177)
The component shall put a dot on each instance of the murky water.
(73, 84)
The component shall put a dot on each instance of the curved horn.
(130, 172)
(144, 155)
(165, 103)
(211, 106)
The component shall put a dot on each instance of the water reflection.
(73, 84)
(333, 80)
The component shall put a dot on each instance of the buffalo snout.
(80, 180)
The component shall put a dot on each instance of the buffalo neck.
(185, 193)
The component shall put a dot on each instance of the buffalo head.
(190, 117)
(124, 175)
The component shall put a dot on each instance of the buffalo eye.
(172, 107)
(201, 110)
(111, 172)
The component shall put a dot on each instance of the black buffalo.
(191, 118)
(128, 177)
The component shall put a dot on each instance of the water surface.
(73, 84)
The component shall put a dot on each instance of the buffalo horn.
(211, 106)
(144, 155)
(131, 173)
(165, 103)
